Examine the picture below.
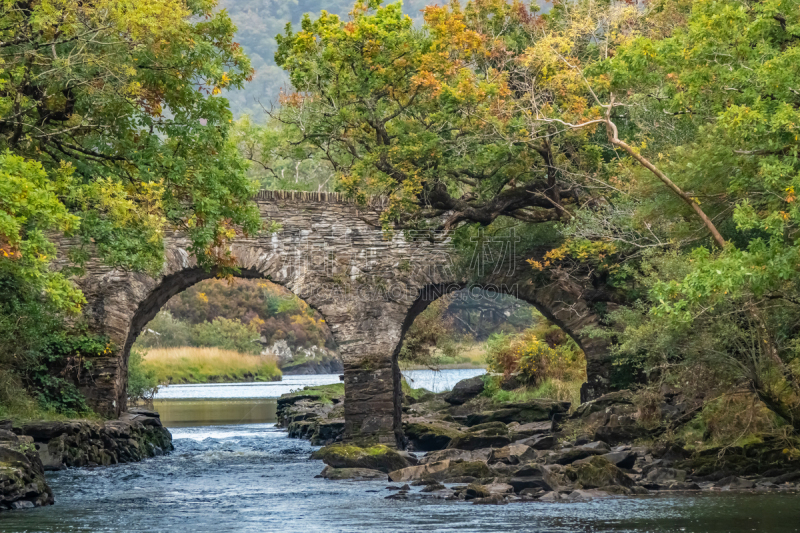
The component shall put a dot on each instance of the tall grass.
(209, 365)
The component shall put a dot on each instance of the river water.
(244, 476)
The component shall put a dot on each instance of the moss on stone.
(598, 472)
(378, 457)
(476, 469)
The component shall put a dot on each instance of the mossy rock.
(430, 437)
(475, 469)
(537, 410)
(596, 473)
(378, 457)
(475, 490)
(487, 435)
(490, 428)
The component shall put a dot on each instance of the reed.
(209, 365)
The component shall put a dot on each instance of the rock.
(432, 487)
(327, 432)
(136, 435)
(460, 479)
(620, 433)
(378, 457)
(550, 496)
(664, 475)
(513, 454)
(536, 481)
(541, 442)
(596, 446)
(454, 454)
(623, 397)
(410, 457)
(430, 437)
(22, 481)
(572, 455)
(465, 390)
(475, 490)
(493, 499)
(597, 473)
(353, 474)
(734, 483)
(491, 435)
(681, 486)
(531, 429)
(499, 488)
(423, 471)
(625, 460)
(586, 495)
(476, 469)
(525, 412)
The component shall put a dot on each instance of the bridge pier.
(371, 402)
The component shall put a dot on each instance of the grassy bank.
(209, 365)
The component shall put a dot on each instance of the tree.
(124, 95)
(441, 120)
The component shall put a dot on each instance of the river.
(237, 474)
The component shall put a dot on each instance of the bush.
(534, 359)
(38, 353)
(228, 335)
(142, 382)
(165, 331)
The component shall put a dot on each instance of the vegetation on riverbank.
(208, 365)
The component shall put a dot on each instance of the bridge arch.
(332, 254)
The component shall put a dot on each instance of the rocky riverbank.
(465, 447)
(27, 450)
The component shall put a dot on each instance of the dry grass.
(209, 365)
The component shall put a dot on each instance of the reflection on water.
(268, 389)
(248, 403)
(438, 381)
(185, 413)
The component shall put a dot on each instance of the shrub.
(142, 382)
(227, 334)
(533, 359)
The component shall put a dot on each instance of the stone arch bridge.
(368, 286)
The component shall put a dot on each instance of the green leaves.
(125, 93)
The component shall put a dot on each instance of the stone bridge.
(367, 286)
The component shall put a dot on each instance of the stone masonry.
(367, 285)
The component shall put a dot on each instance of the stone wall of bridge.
(367, 285)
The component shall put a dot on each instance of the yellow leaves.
(202, 297)
(216, 91)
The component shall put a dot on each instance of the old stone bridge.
(368, 287)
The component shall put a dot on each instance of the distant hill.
(259, 21)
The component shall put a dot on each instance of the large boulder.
(465, 390)
(22, 482)
(457, 455)
(597, 473)
(489, 435)
(327, 432)
(442, 470)
(423, 471)
(428, 437)
(378, 457)
(353, 474)
(523, 412)
(513, 454)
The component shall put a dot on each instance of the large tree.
(117, 102)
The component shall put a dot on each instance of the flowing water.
(230, 475)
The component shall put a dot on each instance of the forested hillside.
(258, 22)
